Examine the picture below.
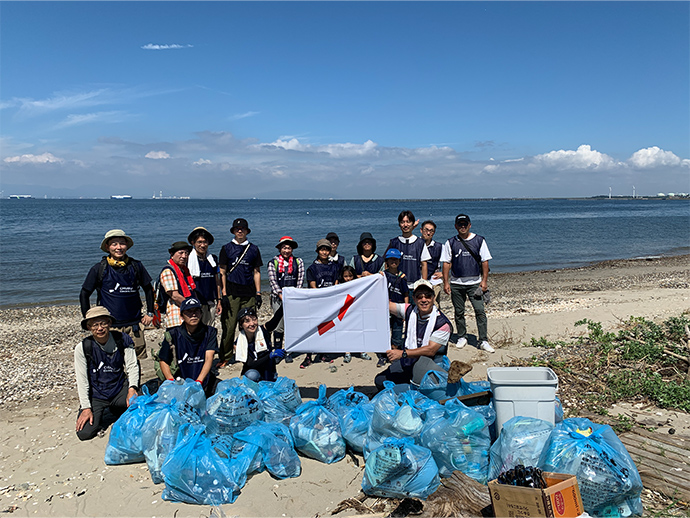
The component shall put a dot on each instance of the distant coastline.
(673, 197)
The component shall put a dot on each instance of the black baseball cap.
(333, 235)
(462, 218)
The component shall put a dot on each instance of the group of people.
(195, 287)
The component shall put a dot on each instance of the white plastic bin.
(523, 391)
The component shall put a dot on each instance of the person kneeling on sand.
(190, 347)
(253, 345)
(100, 362)
(427, 334)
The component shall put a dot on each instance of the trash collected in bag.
(459, 440)
(241, 381)
(354, 425)
(195, 473)
(277, 448)
(433, 385)
(187, 391)
(521, 442)
(342, 400)
(280, 399)
(399, 469)
(316, 430)
(228, 447)
(160, 431)
(232, 410)
(124, 444)
(606, 474)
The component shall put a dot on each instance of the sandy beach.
(46, 471)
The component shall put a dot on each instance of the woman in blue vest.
(191, 346)
(321, 274)
(100, 362)
(253, 346)
(284, 270)
(366, 262)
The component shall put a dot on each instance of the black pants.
(116, 406)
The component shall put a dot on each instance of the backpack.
(161, 298)
(87, 345)
(104, 264)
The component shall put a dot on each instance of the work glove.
(258, 301)
(277, 354)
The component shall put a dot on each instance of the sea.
(48, 245)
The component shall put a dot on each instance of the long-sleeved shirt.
(81, 369)
(276, 289)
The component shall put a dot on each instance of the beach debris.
(458, 496)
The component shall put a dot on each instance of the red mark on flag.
(326, 326)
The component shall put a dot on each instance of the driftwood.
(458, 496)
(457, 370)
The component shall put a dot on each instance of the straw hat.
(95, 312)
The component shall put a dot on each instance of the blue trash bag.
(433, 385)
(183, 391)
(472, 387)
(241, 381)
(195, 473)
(399, 469)
(316, 431)
(280, 399)
(343, 400)
(232, 409)
(422, 403)
(277, 449)
(160, 431)
(459, 440)
(521, 442)
(607, 476)
(228, 447)
(443, 361)
(385, 405)
(354, 425)
(124, 444)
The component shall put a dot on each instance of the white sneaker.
(462, 342)
(484, 346)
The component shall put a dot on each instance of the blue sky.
(347, 100)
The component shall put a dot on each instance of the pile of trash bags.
(204, 450)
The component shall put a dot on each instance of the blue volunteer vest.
(119, 294)
(397, 287)
(244, 273)
(284, 278)
(410, 264)
(324, 274)
(462, 262)
(441, 320)
(372, 266)
(106, 371)
(191, 355)
(206, 288)
(435, 252)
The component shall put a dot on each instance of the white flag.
(350, 317)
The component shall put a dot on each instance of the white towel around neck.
(242, 345)
(193, 263)
(411, 340)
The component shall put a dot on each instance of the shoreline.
(608, 263)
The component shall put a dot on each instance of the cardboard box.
(560, 499)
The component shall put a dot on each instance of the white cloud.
(583, 158)
(157, 155)
(87, 118)
(45, 158)
(153, 46)
(243, 115)
(653, 157)
(202, 161)
(343, 150)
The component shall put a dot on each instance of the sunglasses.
(424, 295)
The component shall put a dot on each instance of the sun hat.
(246, 312)
(197, 233)
(286, 240)
(364, 236)
(323, 243)
(333, 235)
(179, 245)
(462, 218)
(95, 312)
(393, 253)
(240, 223)
(116, 232)
(189, 303)
(422, 284)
